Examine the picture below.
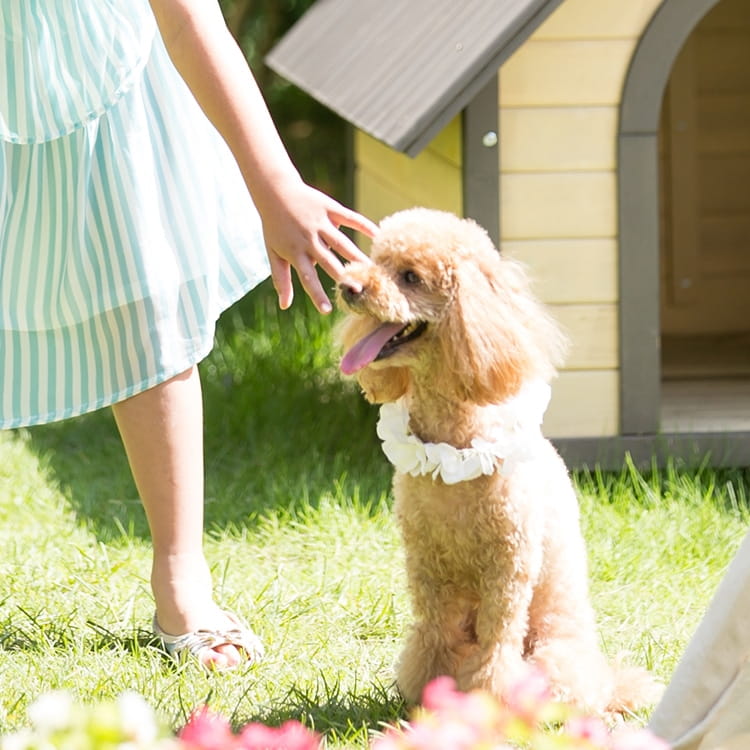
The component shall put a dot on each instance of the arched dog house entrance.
(684, 208)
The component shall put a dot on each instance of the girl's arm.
(300, 224)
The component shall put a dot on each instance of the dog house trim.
(638, 212)
(480, 166)
(640, 111)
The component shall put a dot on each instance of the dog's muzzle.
(350, 294)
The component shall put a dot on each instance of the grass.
(302, 541)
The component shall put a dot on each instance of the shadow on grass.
(345, 716)
(35, 632)
(340, 715)
(725, 488)
(282, 429)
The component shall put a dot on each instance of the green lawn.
(303, 545)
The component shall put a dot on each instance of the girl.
(143, 189)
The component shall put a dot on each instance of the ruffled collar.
(519, 428)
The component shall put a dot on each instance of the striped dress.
(125, 225)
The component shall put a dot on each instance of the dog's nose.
(350, 292)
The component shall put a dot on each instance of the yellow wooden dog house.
(606, 144)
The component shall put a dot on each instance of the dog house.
(606, 144)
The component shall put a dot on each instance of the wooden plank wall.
(388, 181)
(559, 100)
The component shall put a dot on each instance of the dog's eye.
(410, 277)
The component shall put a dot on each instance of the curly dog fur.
(496, 565)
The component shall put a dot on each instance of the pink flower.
(477, 708)
(592, 730)
(391, 739)
(448, 720)
(529, 696)
(206, 730)
(636, 739)
(429, 733)
(441, 694)
(444, 735)
(291, 735)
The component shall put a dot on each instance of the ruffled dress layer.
(125, 225)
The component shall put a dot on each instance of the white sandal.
(195, 642)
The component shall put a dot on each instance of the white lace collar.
(519, 418)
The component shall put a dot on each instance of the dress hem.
(190, 360)
(111, 399)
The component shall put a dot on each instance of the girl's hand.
(302, 231)
(300, 224)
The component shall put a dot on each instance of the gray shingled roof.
(401, 69)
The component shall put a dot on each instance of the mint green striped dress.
(125, 226)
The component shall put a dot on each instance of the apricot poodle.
(444, 332)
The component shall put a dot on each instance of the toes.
(224, 656)
(225, 645)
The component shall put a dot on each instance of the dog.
(445, 333)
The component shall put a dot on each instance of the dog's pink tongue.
(365, 350)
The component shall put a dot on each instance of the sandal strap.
(241, 637)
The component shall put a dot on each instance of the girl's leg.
(162, 430)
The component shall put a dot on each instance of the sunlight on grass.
(302, 543)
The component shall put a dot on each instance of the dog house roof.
(402, 69)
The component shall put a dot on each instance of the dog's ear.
(496, 336)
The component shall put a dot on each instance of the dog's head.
(439, 304)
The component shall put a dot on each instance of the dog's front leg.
(510, 554)
(425, 656)
(501, 625)
(442, 633)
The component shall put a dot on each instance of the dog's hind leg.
(579, 672)
(563, 639)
